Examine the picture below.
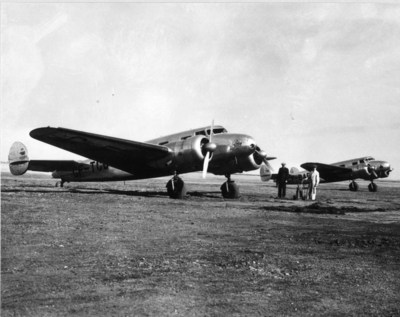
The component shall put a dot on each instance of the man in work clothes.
(281, 180)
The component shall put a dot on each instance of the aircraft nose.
(384, 169)
(384, 166)
(252, 145)
(244, 144)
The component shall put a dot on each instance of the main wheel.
(176, 188)
(372, 187)
(230, 190)
(353, 186)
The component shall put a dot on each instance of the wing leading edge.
(129, 156)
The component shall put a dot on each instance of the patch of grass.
(104, 252)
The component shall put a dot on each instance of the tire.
(372, 187)
(353, 186)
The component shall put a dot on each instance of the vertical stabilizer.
(18, 159)
(294, 170)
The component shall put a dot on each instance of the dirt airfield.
(126, 249)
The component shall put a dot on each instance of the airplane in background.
(210, 149)
(366, 168)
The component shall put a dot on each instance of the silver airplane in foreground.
(208, 149)
(366, 168)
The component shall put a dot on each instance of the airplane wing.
(51, 165)
(330, 173)
(129, 156)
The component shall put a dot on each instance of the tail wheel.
(60, 184)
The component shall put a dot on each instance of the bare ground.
(128, 250)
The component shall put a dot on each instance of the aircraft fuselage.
(365, 168)
(232, 153)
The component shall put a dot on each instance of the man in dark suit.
(281, 180)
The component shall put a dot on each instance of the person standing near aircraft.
(281, 180)
(314, 182)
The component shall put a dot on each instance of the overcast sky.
(309, 81)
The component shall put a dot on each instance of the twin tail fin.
(18, 159)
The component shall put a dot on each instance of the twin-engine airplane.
(211, 149)
(364, 168)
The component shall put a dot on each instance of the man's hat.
(283, 163)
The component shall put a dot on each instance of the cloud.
(288, 74)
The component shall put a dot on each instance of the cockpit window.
(220, 130)
(215, 131)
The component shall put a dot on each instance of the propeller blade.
(210, 147)
(267, 164)
(205, 164)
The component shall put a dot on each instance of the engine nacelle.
(189, 154)
(18, 158)
(362, 173)
(249, 163)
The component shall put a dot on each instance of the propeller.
(266, 169)
(265, 158)
(209, 147)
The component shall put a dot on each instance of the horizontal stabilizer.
(54, 165)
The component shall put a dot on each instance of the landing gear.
(60, 183)
(353, 186)
(372, 187)
(176, 187)
(229, 189)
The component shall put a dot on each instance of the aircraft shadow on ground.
(101, 191)
(143, 193)
(87, 191)
(321, 208)
(209, 194)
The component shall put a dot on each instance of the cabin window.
(163, 143)
(355, 163)
(342, 165)
(185, 137)
(200, 133)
